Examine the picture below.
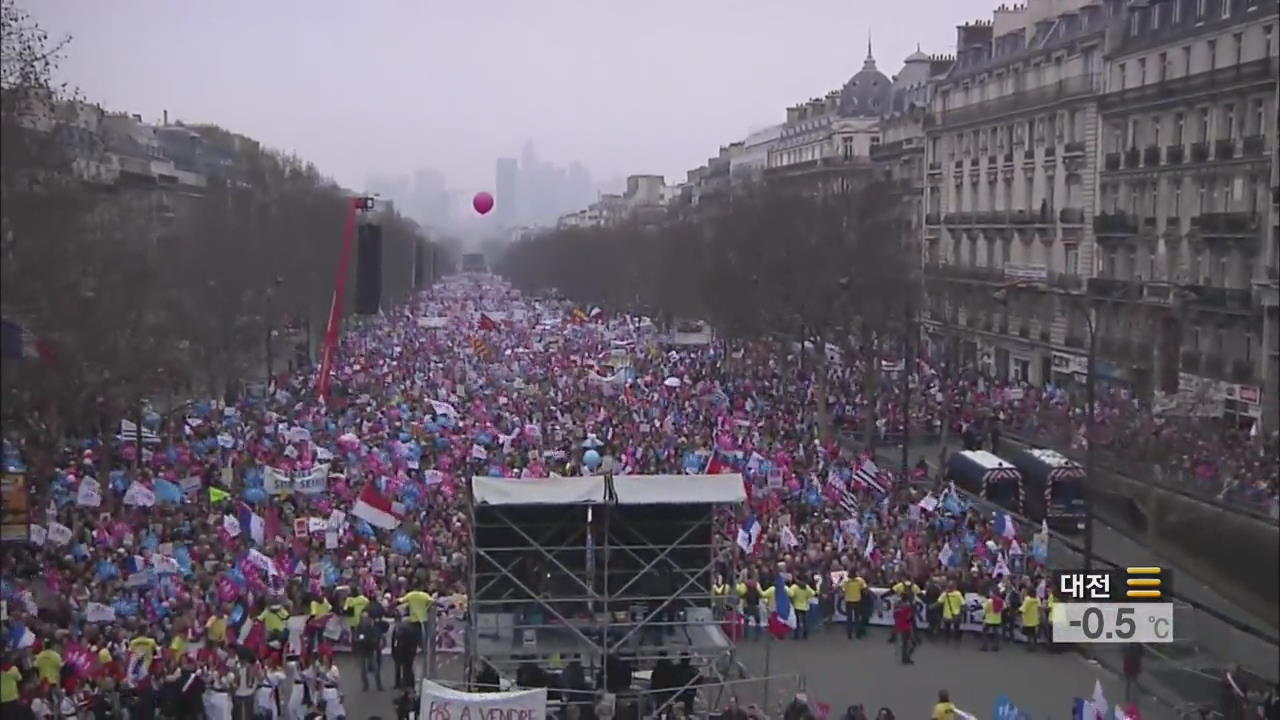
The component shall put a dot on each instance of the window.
(1248, 348)
(1237, 43)
(1200, 206)
(1120, 75)
(1155, 17)
(1226, 8)
(1229, 115)
(1186, 60)
(1213, 55)
(1029, 189)
(1142, 71)
(1178, 122)
(1200, 9)
(1164, 66)
(1134, 25)
(1204, 125)
(1253, 194)
(1177, 198)
(1155, 199)
(1259, 118)
(846, 147)
(1133, 133)
(1155, 131)
(1176, 12)
(1072, 260)
(1266, 35)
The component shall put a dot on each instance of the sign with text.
(442, 703)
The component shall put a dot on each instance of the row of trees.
(791, 260)
(148, 292)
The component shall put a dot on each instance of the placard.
(442, 703)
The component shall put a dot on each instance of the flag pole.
(354, 206)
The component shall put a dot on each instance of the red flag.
(487, 323)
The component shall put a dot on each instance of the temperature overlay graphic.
(1143, 622)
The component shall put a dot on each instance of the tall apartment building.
(1188, 122)
(506, 188)
(1011, 148)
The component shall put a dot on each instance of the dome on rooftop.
(868, 92)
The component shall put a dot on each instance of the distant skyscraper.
(430, 204)
(506, 191)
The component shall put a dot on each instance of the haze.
(378, 90)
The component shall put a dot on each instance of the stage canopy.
(630, 490)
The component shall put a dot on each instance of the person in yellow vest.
(992, 614)
(1051, 606)
(750, 593)
(144, 647)
(855, 620)
(354, 607)
(10, 680)
(320, 611)
(274, 618)
(215, 628)
(944, 709)
(419, 604)
(952, 602)
(48, 664)
(719, 597)
(1030, 618)
(801, 594)
(905, 585)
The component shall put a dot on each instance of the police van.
(987, 476)
(1055, 487)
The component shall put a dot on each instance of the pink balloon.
(482, 202)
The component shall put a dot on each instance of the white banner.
(89, 494)
(97, 612)
(59, 534)
(882, 611)
(442, 703)
(139, 495)
(305, 482)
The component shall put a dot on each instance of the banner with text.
(442, 703)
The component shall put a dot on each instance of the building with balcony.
(1188, 131)
(899, 156)
(1010, 143)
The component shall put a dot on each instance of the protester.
(276, 528)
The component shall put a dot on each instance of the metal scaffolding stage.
(600, 567)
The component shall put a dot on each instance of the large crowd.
(212, 561)
(1220, 457)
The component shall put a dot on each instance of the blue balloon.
(591, 459)
(401, 543)
(255, 495)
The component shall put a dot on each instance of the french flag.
(17, 343)
(749, 534)
(376, 509)
(783, 618)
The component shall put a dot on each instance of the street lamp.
(1180, 293)
(271, 291)
(1090, 379)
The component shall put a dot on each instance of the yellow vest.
(989, 614)
(853, 588)
(952, 604)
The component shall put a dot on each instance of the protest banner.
(441, 703)
(309, 481)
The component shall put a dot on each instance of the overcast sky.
(387, 86)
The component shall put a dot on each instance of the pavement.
(840, 673)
